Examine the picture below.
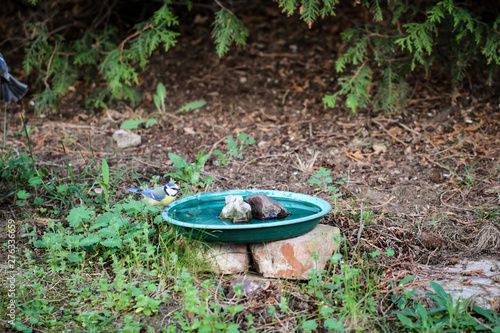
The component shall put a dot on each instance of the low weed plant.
(448, 315)
(190, 173)
(192, 106)
(234, 148)
(133, 124)
(160, 97)
(324, 182)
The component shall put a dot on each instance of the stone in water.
(265, 208)
(236, 210)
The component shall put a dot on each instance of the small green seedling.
(234, 148)
(133, 124)
(323, 182)
(22, 195)
(159, 97)
(322, 179)
(105, 180)
(192, 106)
(190, 173)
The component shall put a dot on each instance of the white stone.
(227, 258)
(236, 210)
(126, 139)
(294, 258)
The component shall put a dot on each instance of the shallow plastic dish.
(197, 217)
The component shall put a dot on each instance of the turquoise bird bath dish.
(196, 217)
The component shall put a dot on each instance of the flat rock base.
(227, 258)
(476, 279)
(294, 258)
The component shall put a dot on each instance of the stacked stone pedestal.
(292, 258)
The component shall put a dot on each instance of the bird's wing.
(6, 93)
(17, 88)
(4, 70)
(156, 193)
(10, 88)
(4, 90)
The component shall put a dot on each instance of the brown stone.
(431, 240)
(294, 258)
(264, 208)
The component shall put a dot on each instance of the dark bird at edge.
(10, 88)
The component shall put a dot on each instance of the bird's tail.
(132, 189)
(12, 90)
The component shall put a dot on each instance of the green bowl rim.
(322, 204)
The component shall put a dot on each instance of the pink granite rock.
(293, 258)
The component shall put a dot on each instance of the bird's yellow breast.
(165, 201)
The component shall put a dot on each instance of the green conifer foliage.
(403, 36)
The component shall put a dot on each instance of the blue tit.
(158, 196)
(10, 88)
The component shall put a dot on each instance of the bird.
(10, 88)
(158, 196)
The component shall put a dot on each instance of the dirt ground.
(431, 175)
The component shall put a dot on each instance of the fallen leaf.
(379, 148)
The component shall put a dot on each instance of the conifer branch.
(135, 34)
(222, 6)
